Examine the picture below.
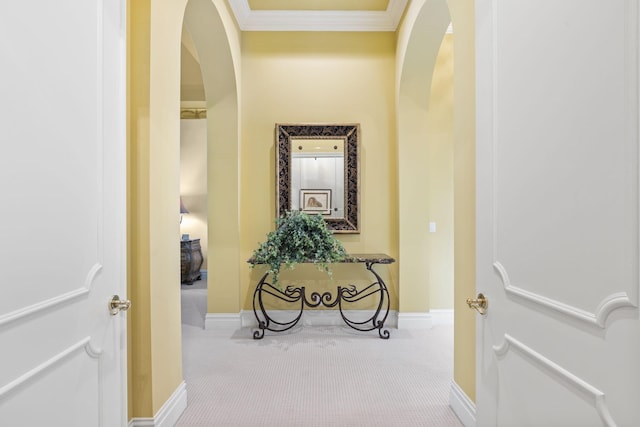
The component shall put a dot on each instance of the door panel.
(559, 142)
(62, 177)
(557, 205)
(74, 370)
(43, 116)
(549, 384)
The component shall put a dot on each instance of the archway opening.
(193, 184)
(219, 167)
(424, 25)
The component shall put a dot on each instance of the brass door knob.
(116, 305)
(480, 304)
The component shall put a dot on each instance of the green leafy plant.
(299, 237)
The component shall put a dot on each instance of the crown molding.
(193, 113)
(317, 20)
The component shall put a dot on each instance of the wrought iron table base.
(297, 294)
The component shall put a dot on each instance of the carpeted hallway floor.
(313, 376)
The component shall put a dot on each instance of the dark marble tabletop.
(375, 258)
(355, 258)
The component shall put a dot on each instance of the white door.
(557, 213)
(62, 209)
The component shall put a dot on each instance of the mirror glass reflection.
(317, 176)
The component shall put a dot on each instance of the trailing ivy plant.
(299, 237)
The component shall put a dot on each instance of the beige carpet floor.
(313, 376)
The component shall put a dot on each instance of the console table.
(190, 261)
(297, 295)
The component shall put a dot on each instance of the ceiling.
(318, 15)
(293, 15)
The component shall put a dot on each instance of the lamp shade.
(183, 210)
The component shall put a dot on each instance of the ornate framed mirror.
(317, 171)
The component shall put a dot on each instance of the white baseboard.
(168, 415)
(224, 321)
(441, 317)
(332, 318)
(462, 406)
(415, 321)
(141, 422)
(246, 318)
(425, 320)
(317, 317)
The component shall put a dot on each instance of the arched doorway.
(154, 38)
(219, 75)
(419, 40)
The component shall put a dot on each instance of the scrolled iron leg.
(258, 334)
(377, 288)
(265, 322)
(384, 333)
(384, 297)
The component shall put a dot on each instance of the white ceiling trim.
(317, 20)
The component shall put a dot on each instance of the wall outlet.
(432, 227)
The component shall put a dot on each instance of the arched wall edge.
(419, 36)
(217, 40)
(419, 40)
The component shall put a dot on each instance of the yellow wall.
(462, 14)
(419, 41)
(217, 40)
(311, 77)
(164, 168)
(138, 253)
(155, 356)
(418, 38)
(439, 186)
(155, 368)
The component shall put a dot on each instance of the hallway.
(313, 376)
